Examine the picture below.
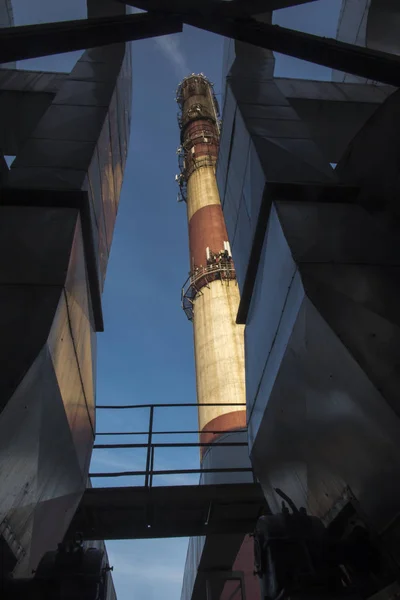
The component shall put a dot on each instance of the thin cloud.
(145, 569)
(178, 479)
(112, 460)
(107, 458)
(170, 47)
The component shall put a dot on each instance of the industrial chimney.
(210, 296)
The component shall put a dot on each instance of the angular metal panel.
(383, 26)
(125, 85)
(83, 93)
(372, 339)
(23, 110)
(242, 243)
(287, 126)
(115, 148)
(252, 91)
(238, 156)
(19, 440)
(253, 186)
(46, 178)
(30, 81)
(72, 122)
(35, 242)
(228, 57)
(121, 124)
(56, 153)
(50, 522)
(94, 71)
(52, 410)
(344, 93)
(95, 186)
(77, 296)
(30, 283)
(26, 315)
(338, 233)
(67, 370)
(333, 124)
(107, 180)
(373, 286)
(372, 158)
(63, 356)
(285, 146)
(32, 425)
(231, 208)
(225, 141)
(279, 164)
(98, 225)
(59, 472)
(337, 423)
(93, 223)
(324, 414)
(260, 113)
(278, 335)
(275, 276)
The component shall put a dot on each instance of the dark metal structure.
(58, 208)
(58, 205)
(297, 556)
(219, 17)
(320, 255)
(72, 572)
(168, 511)
(234, 20)
(31, 41)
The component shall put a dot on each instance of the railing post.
(149, 440)
(151, 465)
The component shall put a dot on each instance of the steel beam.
(176, 511)
(234, 8)
(234, 23)
(32, 41)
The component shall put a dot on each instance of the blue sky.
(145, 354)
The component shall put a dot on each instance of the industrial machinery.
(297, 556)
(73, 572)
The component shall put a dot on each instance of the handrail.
(209, 270)
(182, 432)
(172, 472)
(200, 278)
(171, 405)
(151, 446)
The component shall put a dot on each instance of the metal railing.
(151, 446)
(201, 277)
